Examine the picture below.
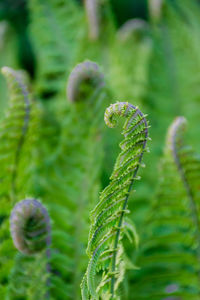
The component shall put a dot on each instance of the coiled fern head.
(30, 226)
(133, 27)
(175, 134)
(83, 79)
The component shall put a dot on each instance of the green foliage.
(29, 278)
(17, 139)
(68, 177)
(31, 233)
(54, 147)
(54, 27)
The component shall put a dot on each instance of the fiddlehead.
(30, 226)
(84, 78)
(137, 27)
(108, 216)
(31, 234)
(174, 137)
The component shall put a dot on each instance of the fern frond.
(170, 252)
(17, 141)
(69, 181)
(107, 218)
(17, 119)
(29, 278)
(56, 53)
(31, 233)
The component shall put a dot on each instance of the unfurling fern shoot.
(105, 237)
(84, 78)
(30, 226)
(31, 233)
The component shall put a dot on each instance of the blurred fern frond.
(18, 137)
(169, 257)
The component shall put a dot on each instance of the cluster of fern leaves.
(60, 237)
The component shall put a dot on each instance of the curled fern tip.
(84, 78)
(30, 226)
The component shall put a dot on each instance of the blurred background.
(15, 12)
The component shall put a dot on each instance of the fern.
(169, 257)
(56, 52)
(30, 226)
(182, 21)
(69, 181)
(31, 233)
(17, 137)
(29, 278)
(53, 150)
(108, 216)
